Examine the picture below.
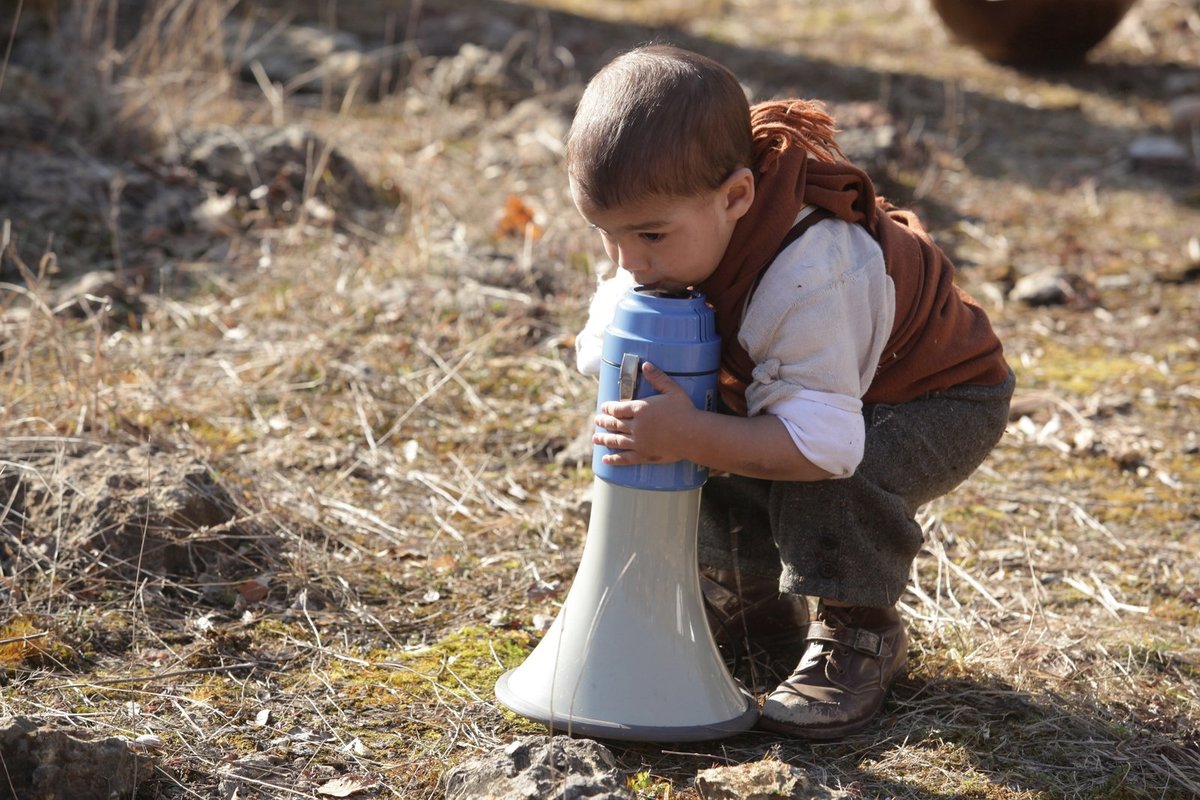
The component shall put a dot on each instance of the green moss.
(278, 627)
(466, 663)
(26, 643)
(474, 657)
(1082, 371)
(645, 785)
(1175, 609)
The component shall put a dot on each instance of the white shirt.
(815, 327)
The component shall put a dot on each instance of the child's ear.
(738, 192)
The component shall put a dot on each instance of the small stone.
(250, 773)
(48, 763)
(537, 767)
(761, 780)
(1047, 287)
(1157, 151)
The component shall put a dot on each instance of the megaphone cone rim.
(601, 729)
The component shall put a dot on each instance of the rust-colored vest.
(940, 336)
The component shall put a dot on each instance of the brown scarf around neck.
(940, 336)
(797, 162)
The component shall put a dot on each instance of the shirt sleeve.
(827, 428)
(816, 327)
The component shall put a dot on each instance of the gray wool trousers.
(854, 539)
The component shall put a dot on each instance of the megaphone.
(630, 655)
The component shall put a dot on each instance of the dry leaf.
(145, 743)
(517, 220)
(346, 785)
(253, 591)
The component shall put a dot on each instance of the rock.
(1158, 151)
(473, 71)
(761, 780)
(271, 163)
(307, 58)
(1032, 32)
(46, 763)
(537, 767)
(1048, 287)
(88, 206)
(249, 775)
(1054, 287)
(141, 507)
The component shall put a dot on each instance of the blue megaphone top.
(675, 331)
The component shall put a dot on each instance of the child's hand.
(648, 431)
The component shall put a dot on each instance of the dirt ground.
(289, 470)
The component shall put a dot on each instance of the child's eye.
(652, 237)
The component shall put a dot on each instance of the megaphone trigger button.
(630, 364)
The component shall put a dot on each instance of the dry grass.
(369, 412)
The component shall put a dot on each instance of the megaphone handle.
(630, 366)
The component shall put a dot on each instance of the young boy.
(857, 381)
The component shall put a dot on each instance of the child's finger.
(610, 423)
(619, 410)
(612, 441)
(657, 378)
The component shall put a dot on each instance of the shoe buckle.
(862, 641)
(867, 642)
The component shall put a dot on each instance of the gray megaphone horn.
(630, 655)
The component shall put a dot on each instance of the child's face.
(671, 242)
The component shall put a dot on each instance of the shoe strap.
(862, 641)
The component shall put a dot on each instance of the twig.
(361, 413)
(1189, 784)
(472, 478)
(470, 691)
(468, 390)
(449, 373)
(1083, 517)
(268, 784)
(169, 775)
(442, 523)
(158, 677)
(357, 516)
(270, 91)
(975, 584)
(302, 601)
(12, 37)
(26, 638)
(433, 484)
(1103, 595)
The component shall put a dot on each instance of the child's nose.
(630, 258)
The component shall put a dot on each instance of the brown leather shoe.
(744, 609)
(838, 687)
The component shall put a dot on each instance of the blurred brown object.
(1032, 32)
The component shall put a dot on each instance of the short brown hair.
(658, 120)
